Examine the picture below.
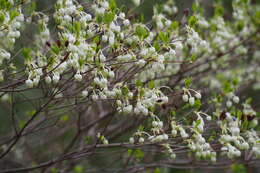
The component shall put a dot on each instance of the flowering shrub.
(93, 77)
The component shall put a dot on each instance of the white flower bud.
(48, 79)
(111, 40)
(122, 15)
(254, 123)
(88, 17)
(165, 99)
(102, 58)
(105, 4)
(78, 77)
(174, 132)
(173, 155)
(126, 22)
(104, 38)
(130, 95)
(111, 74)
(209, 118)
(191, 100)
(128, 109)
(84, 93)
(105, 141)
(200, 127)
(165, 137)
(29, 83)
(159, 25)
(141, 140)
(178, 45)
(136, 2)
(136, 110)
(185, 98)
(95, 97)
(141, 62)
(229, 103)
(184, 135)
(131, 140)
(237, 153)
(172, 52)
(119, 103)
(198, 95)
(228, 116)
(236, 99)
(71, 38)
(56, 78)
(168, 23)
(144, 111)
(245, 145)
(7, 55)
(235, 131)
(155, 123)
(160, 124)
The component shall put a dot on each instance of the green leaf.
(13, 14)
(240, 25)
(239, 114)
(2, 18)
(78, 169)
(197, 104)
(238, 168)
(159, 8)
(88, 139)
(138, 83)
(51, 61)
(256, 18)
(125, 90)
(142, 92)
(54, 170)
(219, 10)
(235, 81)
(198, 122)
(99, 18)
(173, 113)
(157, 170)
(192, 21)
(31, 8)
(142, 18)
(139, 154)
(141, 32)
(5, 5)
(26, 52)
(151, 108)
(227, 87)
(64, 118)
(141, 128)
(96, 39)
(82, 62)
(151, 84)
(108, 17)
(77, 28)
(195, 7)
(175, 25)
(31, 113)
(129, 151)
(55, 49)
(188, 82)
(112, 5)
(164, 36)
(157, 46)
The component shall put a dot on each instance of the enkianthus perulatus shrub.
(81, 79)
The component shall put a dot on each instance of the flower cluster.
(11, 21)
